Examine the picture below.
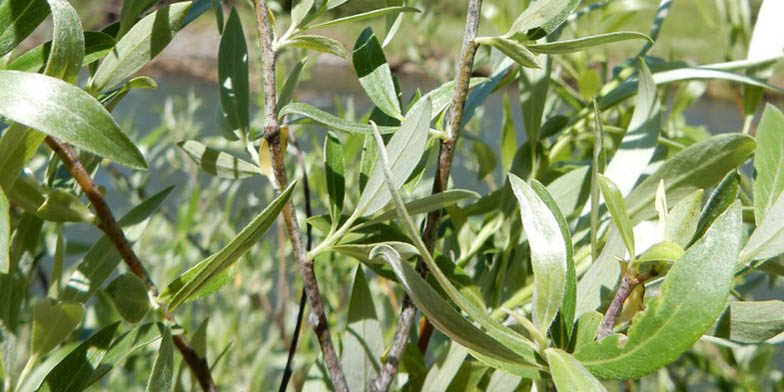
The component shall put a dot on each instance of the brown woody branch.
(445, 156)
(272, 136)
(108, 224)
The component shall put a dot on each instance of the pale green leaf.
(129, 14)
(513, 49)
(690, 299)
(335, 174)
(5, 233)
(75, 370)
(767, 240)
(330, 120)
(67, 52)
(130, 298)
(374, 74)
(750, 322)
(125, 345)
(53, 321)
(768, 161)
(362, 16)
(683, 218)
(218, 163)
(720, 199)
(569, 374)
(19, 19)
(426, 204)
(67, 112)
(96, 45)
(318, 43)
(362, 341)
(300, 11)
(508, 141)
(578, 44)
(287, 92)
(547, 15)
(163, 369)
(617, 207)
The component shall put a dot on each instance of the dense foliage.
(621, 247)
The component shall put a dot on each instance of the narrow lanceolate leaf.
(698, 166)
(547, 15)
(548, 253)
(508, 142)
(163, 369)
(5, 233)
(750, 322)
(202, 274)
(75, 370)
(96, 45)
(362, 341)
(683, 218)
(447, 319)
(569, 374)
(425, 204)
(102, 258)
(65, 59)
(122, 347)
(720, 199)
(578, 44)
(287, 92)
(767, 240)
(617, 207)
(233, 73)
(218, 163)
(19, 18)
(330, 120)
(374, 73)
(318, 43)
(639, 143)
(53, 321)
(67, 112)
(131, 9)
(691, 298)
(768, 161)
(513, 49)
(141, 44)
(130, 298)
(405, 148)
(336, 181)
(364, 16)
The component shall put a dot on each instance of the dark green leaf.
(130, 12)
(75, 370)
(720, 199)
(534, 85)
(19, 19)
(5, 233)
(140, 45)
(374, 74)
(690, 299)
(218, 163)
(329, 120)
(287, 92)
(485, 158)
(768, 161)
(201, 275)
(426, 204)
(233, 74)
(124, 346)
(53, 321)
(96, 45)
(578, 44)
(129, 296)
(336, 181)
(67, 112)
(163, 369)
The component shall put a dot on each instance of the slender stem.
(628, 283)
(272, 135)
(108, 224)
(446, 154)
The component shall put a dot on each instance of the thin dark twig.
(108, 224)
(628, 284)
(272, 136)
(445, 156)
(301, 312)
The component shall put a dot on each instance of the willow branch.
(108, 224)
(446, 154)
(272, 136)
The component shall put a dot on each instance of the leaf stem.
(272, 135)
(628, 283)
(108, 224)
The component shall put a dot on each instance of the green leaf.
(513, 49)
(569, 374)
(67, 112)
(53, 321)
(549, 254)
(617, 206)
(508, 141)
(129, 14)
(698, 166)
(362, 252)
(720, 199)
(329, 120)
(96, 45)
(318, 43)
(426, 204)
(768, 161)
(140, 45)
(19, 19)
(67, 52)
(336, 181)
(362, 16)
(683, 218)
(63, 206)
(102, 258)
(578, 44)
(75, 370)
(362, 341)
(5, 233)
(448, 320)
(405, 149)
(218, 163)
(639, 142)
(750, 322)
(299, 11)
(534, 85)
(287, 92)
(485, 158)
(122, 347)
(233, 73)
(130, 298)
(18, 145)
(586, 328)
(691, 298)
(201, 275)
(547, 15)
(766, 240)
(374, 74)
(163, 369)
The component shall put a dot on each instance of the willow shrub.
(621, 243)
